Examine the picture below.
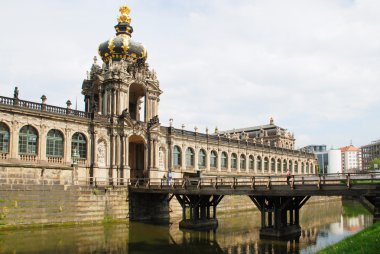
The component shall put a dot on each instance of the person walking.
(288, 176)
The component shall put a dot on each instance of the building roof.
(349, 148)
(265, 127)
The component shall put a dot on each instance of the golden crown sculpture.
(124, 14)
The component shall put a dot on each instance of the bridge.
(277, 197)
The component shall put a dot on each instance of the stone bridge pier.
(279, 215)
(199, 211)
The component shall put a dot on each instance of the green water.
(322, 224)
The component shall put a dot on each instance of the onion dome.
(121, 46)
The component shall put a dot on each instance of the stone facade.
(119, 135)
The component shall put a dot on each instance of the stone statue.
(15, 94)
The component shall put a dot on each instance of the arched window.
(273, 165)
(224, 160)
(202, 158)
(259, 168)
(27, 142)
(284, 166)
(189, 157)
(302, 168)
(251, 163)
(54, 144)
(79, 143)
(307, 168)
(177, 156)
(296, 167)
(266, 164)
(242, 162)
(4, 138)
(290, 166)
(213, 159)
(233, 161)
(279, 166)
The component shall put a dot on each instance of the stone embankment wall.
(55, 204)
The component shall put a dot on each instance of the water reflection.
(322, 224)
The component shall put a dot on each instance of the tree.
(375, 164)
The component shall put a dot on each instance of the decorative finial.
(95, 59)
(271, 121)
(124, 14)
(171, 122)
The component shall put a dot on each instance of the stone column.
(126, 159)
(13, 144)
(42, 144)
(155, 153)
(100, 102)
(196, 159)
(67, 144)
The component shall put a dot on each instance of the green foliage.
(366, 241)
(353, 209)
(373, 162)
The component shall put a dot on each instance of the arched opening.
(79, 145)
(177, 158)
(251, 163)
(4, 138)
(137, 156)
(224, 161)
(234, 161)
(266, 164)
(273, 165)
(137, 107)
(202, 159)
(259, 168)
(279, 166)
(296, 167)
(213, 159)
(242, 162)
(189, 157)
(54, 143)
(284, 166)
(28, 140)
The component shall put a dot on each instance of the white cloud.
(313, 65)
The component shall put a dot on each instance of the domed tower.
(124, 85)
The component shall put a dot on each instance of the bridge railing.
(257, 181)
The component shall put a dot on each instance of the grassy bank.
(366, 242)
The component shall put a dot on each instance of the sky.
(312, 65)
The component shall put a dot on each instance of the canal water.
(322, 224)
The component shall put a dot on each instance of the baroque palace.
(119, 135)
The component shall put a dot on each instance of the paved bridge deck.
(325, 185)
